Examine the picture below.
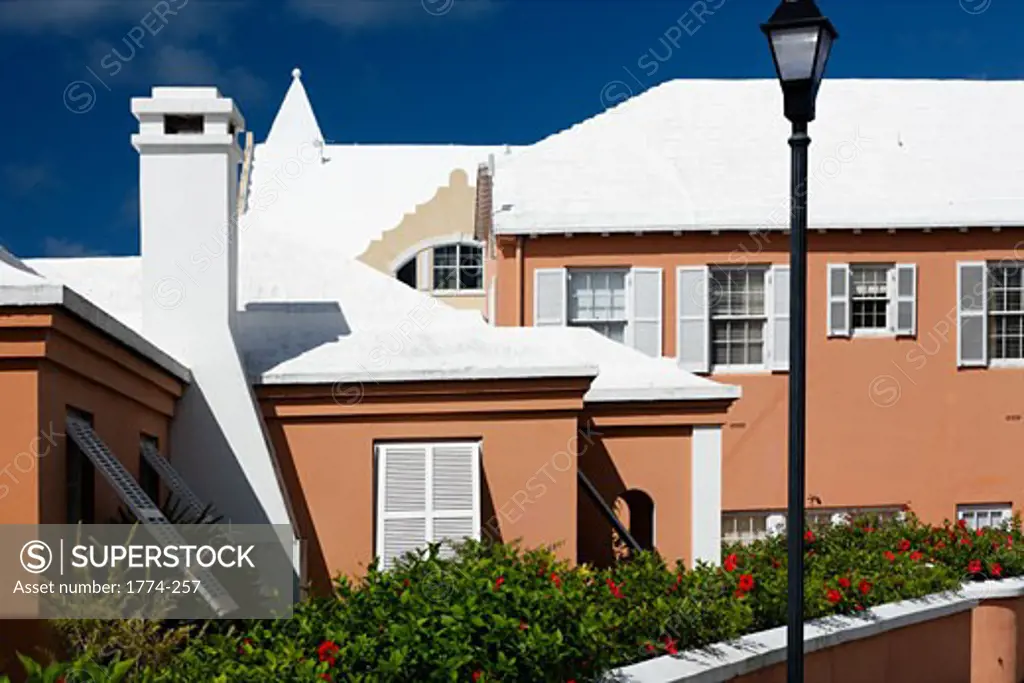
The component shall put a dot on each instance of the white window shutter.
(644, 329)
(402, 515)
(839, 300)
(971, 314)
(904, 297)
(455, 498)
(693, 346)
(549, 297)
(779, 318)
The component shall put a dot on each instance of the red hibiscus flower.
(940, 545)
(615, 590)
(962, 523)
(809, 536)
(738, 594)
(477, 675)
(325, 677)
(966, 541)
(890, 556)
(746, 583)
(730, 562)
(844, 582)
(650, 647)
(979, 532)
(974, 566)
(833, 596)
(996, 569)
(557, 581)
(859, 608)
(523, 626)
(903, 546)
(1009, 541)
(864, 586)
(916, 555)
(328, 651)
(670, 645)
(497, 583)
(775, 563)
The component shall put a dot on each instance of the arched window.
(458, 268)
(407, 272)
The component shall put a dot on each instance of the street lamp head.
(801, 39)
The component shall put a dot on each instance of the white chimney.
(188, 182)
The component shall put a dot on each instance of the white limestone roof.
(308, 314)
(713, 154)
(22, 284)
(345, 194)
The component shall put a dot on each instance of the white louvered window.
(1006, 312)
(426, 493)
(597, 299)
(738, 317)
(984, 516)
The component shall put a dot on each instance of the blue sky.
(470, 71)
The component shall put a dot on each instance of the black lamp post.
(801, 39)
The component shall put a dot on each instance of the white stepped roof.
(308, 314)
(713, 154)
(346, 195)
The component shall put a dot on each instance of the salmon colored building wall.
(935, 651)
(528, 435)
(890, 421)
(49, 361)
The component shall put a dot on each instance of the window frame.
(889, 270)
(1005, 510)
(593, 323)
(458, 267)
(766, 315)
(991, 316)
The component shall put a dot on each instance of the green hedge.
(497, 613)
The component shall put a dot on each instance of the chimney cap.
(296, 72)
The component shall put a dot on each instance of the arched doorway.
(635, 509)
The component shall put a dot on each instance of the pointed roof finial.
(295, 122)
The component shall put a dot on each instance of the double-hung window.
(733, 318)
(597, 299)
(738, 317)
(426, 493)
(623, 304)
(990, 313)
(872, 299)
(983, 516)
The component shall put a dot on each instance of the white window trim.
(627, 292)
(1004, 509)
(429, 515)
(762, 368)
(480, 291)
(889, 331)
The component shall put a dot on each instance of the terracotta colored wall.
(528, 474)
(882, 413)
(997, 655)
(655, 461)
(49, 361)
(936, 651)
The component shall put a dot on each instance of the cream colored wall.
(449, 213)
